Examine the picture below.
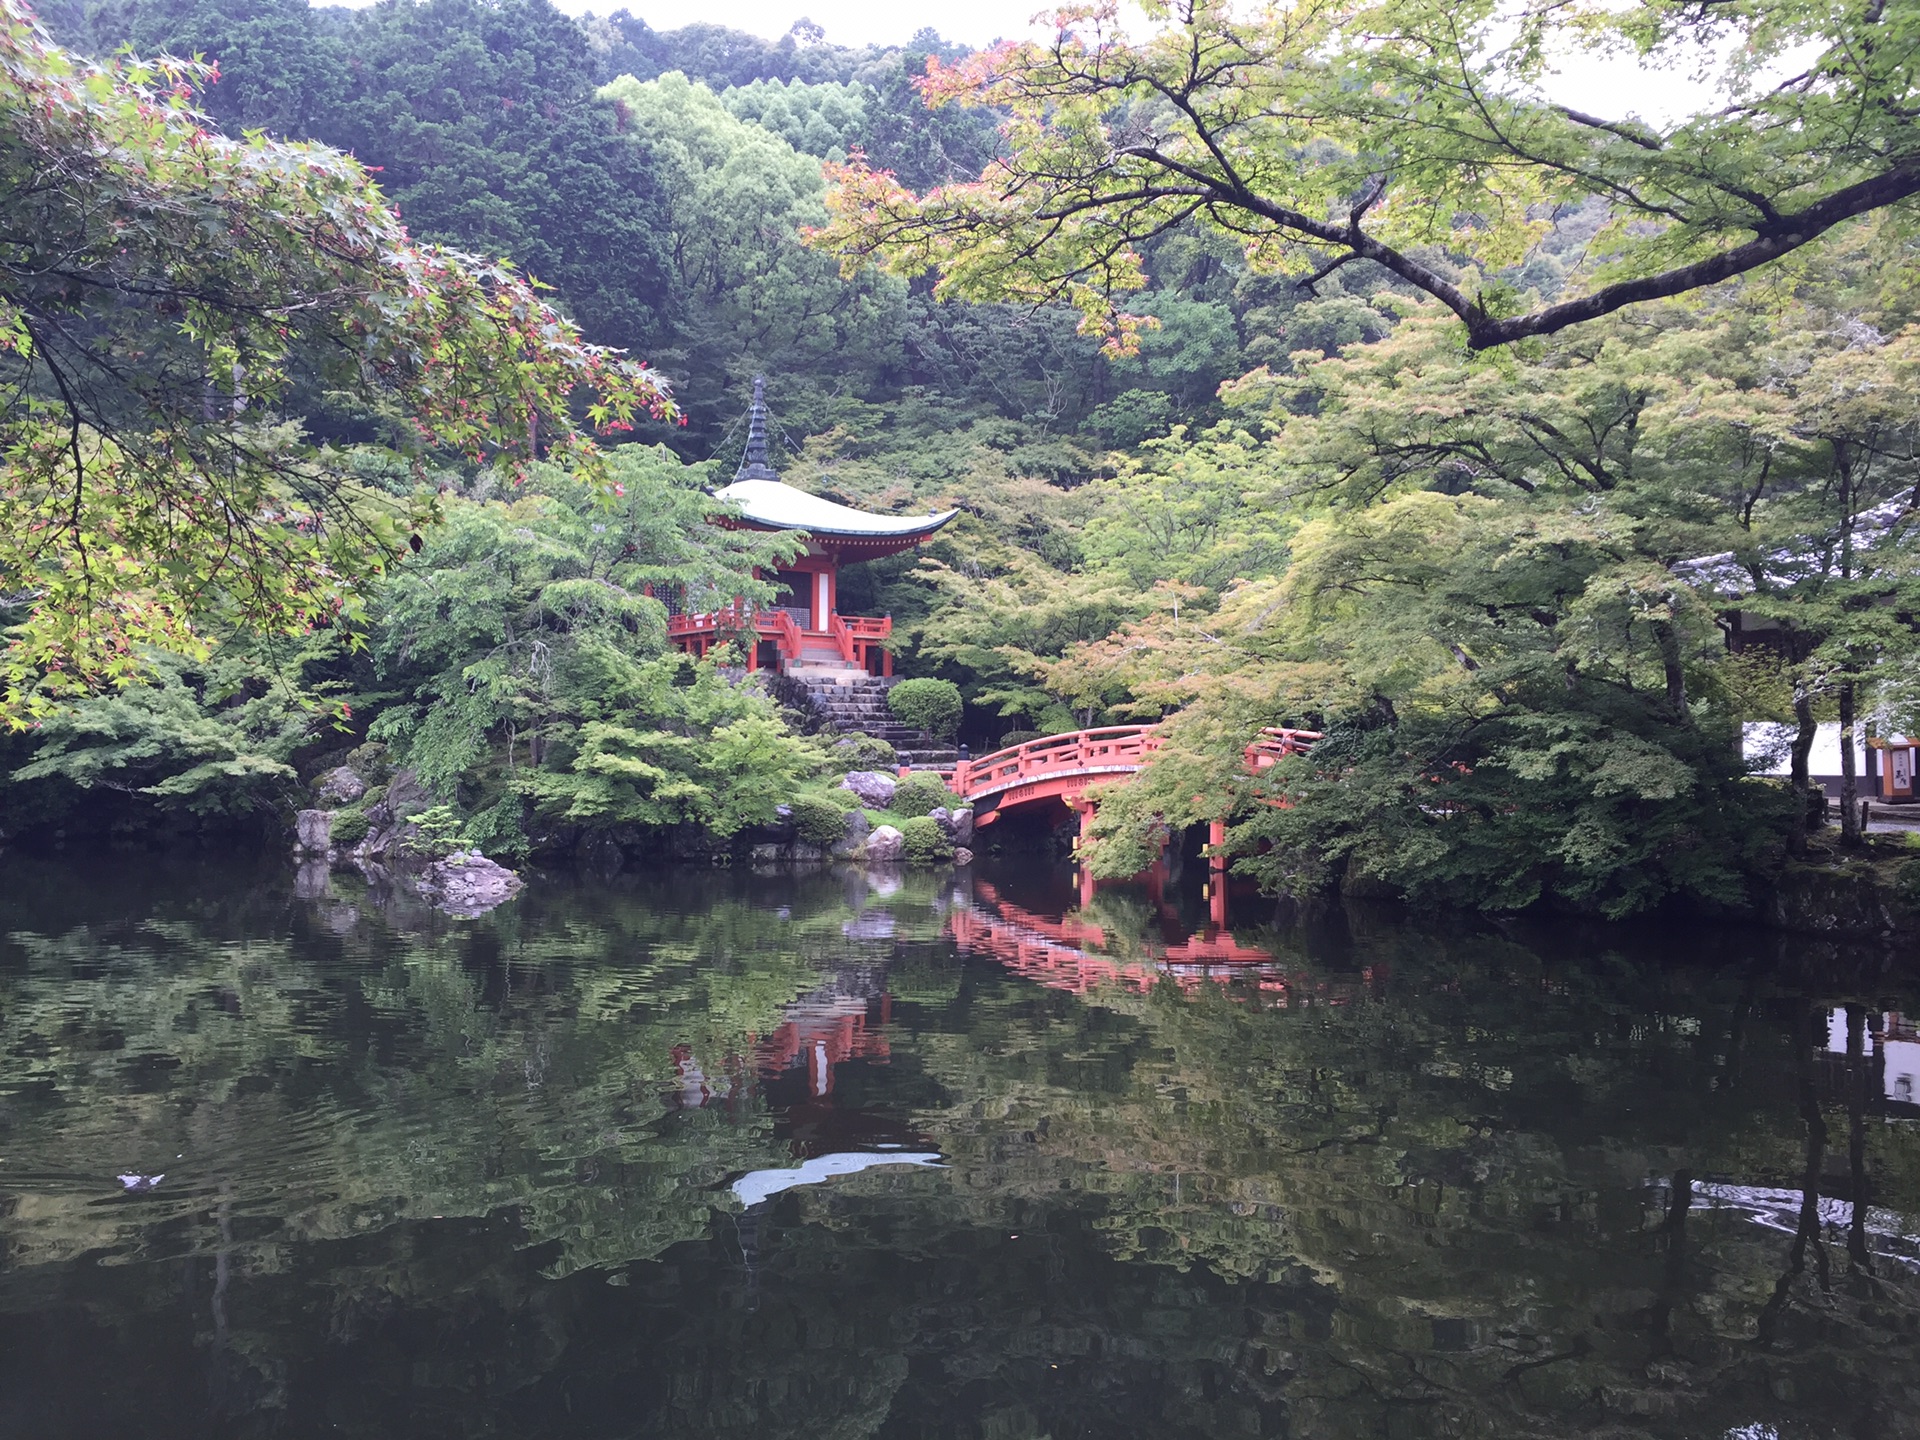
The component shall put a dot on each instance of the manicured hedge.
(929, 705)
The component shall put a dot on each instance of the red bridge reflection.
(1072, 954)
(848, 1017)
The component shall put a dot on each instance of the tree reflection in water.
(1016, 1168)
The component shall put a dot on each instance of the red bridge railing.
(1115, 750)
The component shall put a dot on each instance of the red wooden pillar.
(1217, 872)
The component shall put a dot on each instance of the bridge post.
(1217, 873)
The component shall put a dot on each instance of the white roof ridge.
(778, 505)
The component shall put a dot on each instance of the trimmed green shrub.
(817, 820)
(1906, 883)
(920, 793)
(1020, 737)
(929, 705)
(926, 842)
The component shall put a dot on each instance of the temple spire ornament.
(754, 464)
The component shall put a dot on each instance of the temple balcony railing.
(855, 637)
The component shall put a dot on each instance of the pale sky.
(1613, 88)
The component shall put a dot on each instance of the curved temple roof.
(778, 506)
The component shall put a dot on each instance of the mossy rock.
(370, 762)
(864, 752)
(350, 826)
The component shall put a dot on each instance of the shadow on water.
(935, 1154)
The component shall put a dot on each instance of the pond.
(958, 1155)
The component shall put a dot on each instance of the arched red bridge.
(1062, 767)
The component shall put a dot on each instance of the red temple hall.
(804, 629)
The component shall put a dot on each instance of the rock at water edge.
(963, 825)
(468, 884)
(962, 855)
(313, 832)
(858, 828)
(886, 846)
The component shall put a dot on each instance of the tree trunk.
(1800, 757)
(1849, 779)
(1669, 642)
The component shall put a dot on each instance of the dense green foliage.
(1530, 599)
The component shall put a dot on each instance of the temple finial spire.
(754, 464)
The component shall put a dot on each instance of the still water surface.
(729, 1155)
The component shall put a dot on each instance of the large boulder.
(313, 832)
(339, 786)
(858, 829)
(871, 787)
(389, 823)
(886, 846)
(467, 884)
(942, 817)
(406, 796)
(963, 825)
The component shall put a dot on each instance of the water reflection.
(846, 1155)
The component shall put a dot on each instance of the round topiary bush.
(929, 705)
(925, 842)
(817, 820)
(920, 793)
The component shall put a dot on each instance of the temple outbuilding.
(804, 629)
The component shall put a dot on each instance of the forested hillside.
(1272, 492)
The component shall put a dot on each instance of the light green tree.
(1419, 135)
(165, 288)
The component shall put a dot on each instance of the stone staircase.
(847, 699)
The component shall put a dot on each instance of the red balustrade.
(852, 636)
(1114, 750)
